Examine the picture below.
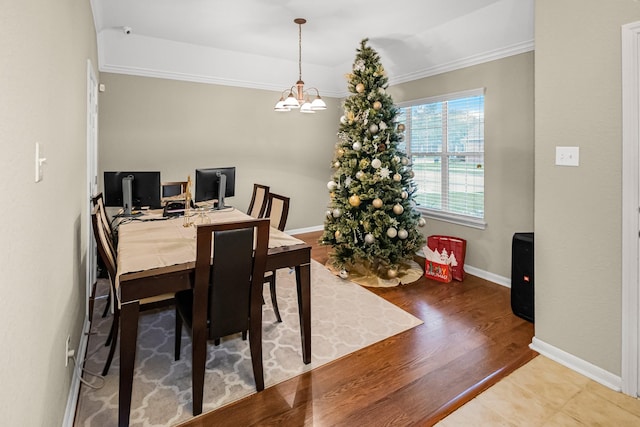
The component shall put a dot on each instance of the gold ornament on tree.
(377, 203)
(359, 88)
(354, 201)
(377, 105)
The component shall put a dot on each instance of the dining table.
(156, 256)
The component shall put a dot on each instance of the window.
(444, 138)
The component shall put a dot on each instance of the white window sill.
(454, 219)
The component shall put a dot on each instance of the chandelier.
(297, 96)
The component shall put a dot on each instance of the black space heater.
(522, 275)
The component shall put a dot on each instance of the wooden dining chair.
(277, 212)
(108, 254)
(98, 200)
(228, 291)
(259, 200)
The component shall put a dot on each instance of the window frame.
(444, 154)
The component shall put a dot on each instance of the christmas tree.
(372, 222)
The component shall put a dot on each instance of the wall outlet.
(68, 352)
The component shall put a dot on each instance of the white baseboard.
(583, 367)
(491, 277)
(306, 230)
(74, 389)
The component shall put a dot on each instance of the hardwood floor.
(469, 340)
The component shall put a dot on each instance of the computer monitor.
(143, 188)
(215, 183)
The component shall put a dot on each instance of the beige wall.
(578, 209)
(508, 154)
(176, 127)
(44, 46)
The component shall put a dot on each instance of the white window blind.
(444, 139)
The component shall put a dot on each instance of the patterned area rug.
(344, 318)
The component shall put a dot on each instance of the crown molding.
(427, 72)
(493, 55)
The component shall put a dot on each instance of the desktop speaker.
(522, 275)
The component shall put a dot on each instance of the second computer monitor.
(142, 187)
(209, 182)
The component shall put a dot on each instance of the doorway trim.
(92, 172)
(630, 368)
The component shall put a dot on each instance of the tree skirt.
(408, 273)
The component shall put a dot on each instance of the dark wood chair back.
(106, 247)
(227, 293)
(259, 200)
(98, 200)
(278, 211)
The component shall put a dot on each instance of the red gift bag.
(437, 271)
(453, 245)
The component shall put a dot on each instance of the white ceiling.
(254, 43)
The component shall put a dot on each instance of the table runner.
(151, 243)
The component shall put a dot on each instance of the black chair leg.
(274, 299)
(178, 337)
(113, 331)
(107, 306)
(92, 300)
(113, 334)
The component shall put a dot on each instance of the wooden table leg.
(129, 314)
(198, 346)
(303, 283)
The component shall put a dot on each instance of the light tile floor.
(545, 393)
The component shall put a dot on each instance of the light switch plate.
(39, 162)
(567, 156)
